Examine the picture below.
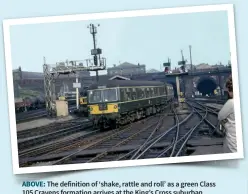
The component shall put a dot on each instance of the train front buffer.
(102, 113)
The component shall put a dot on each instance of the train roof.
(125, 83)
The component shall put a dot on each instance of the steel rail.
(150, 136)
(177, 134)
(190, 133)
(156, 139)
(60, 161)
(125, 140)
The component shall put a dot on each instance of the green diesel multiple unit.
(119, 102)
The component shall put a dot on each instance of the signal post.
(52, 71)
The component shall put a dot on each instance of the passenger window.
(128, 94)
(137, 93)
(151, 92)
(143, 93)
(147, 92)
(123, 94)
(160, 91)
(155, 92)
(134, 94)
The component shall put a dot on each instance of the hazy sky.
(146, 40)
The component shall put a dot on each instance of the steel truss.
(52, 72)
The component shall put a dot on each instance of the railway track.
(100, 150)
(164, 141)
(212, 117)
(209, 100)
(88, 144)
(118, 138)
(152, 139)
(52, 134)
(67, 143)
(151, 148)
(30, 115)
(126, 138)
(116, 145)
(35, 114)
(45, 149)
(178, 135)
(27, 133)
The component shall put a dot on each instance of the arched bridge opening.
(206, 86)
(169, 80)
(174, 87)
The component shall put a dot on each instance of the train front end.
(103, 106)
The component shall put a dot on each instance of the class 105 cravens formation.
(119, 102)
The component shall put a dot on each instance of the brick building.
(126, 69)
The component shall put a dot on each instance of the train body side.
(130, 99)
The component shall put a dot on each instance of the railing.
(210, 70)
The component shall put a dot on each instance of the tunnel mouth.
(206, 86)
